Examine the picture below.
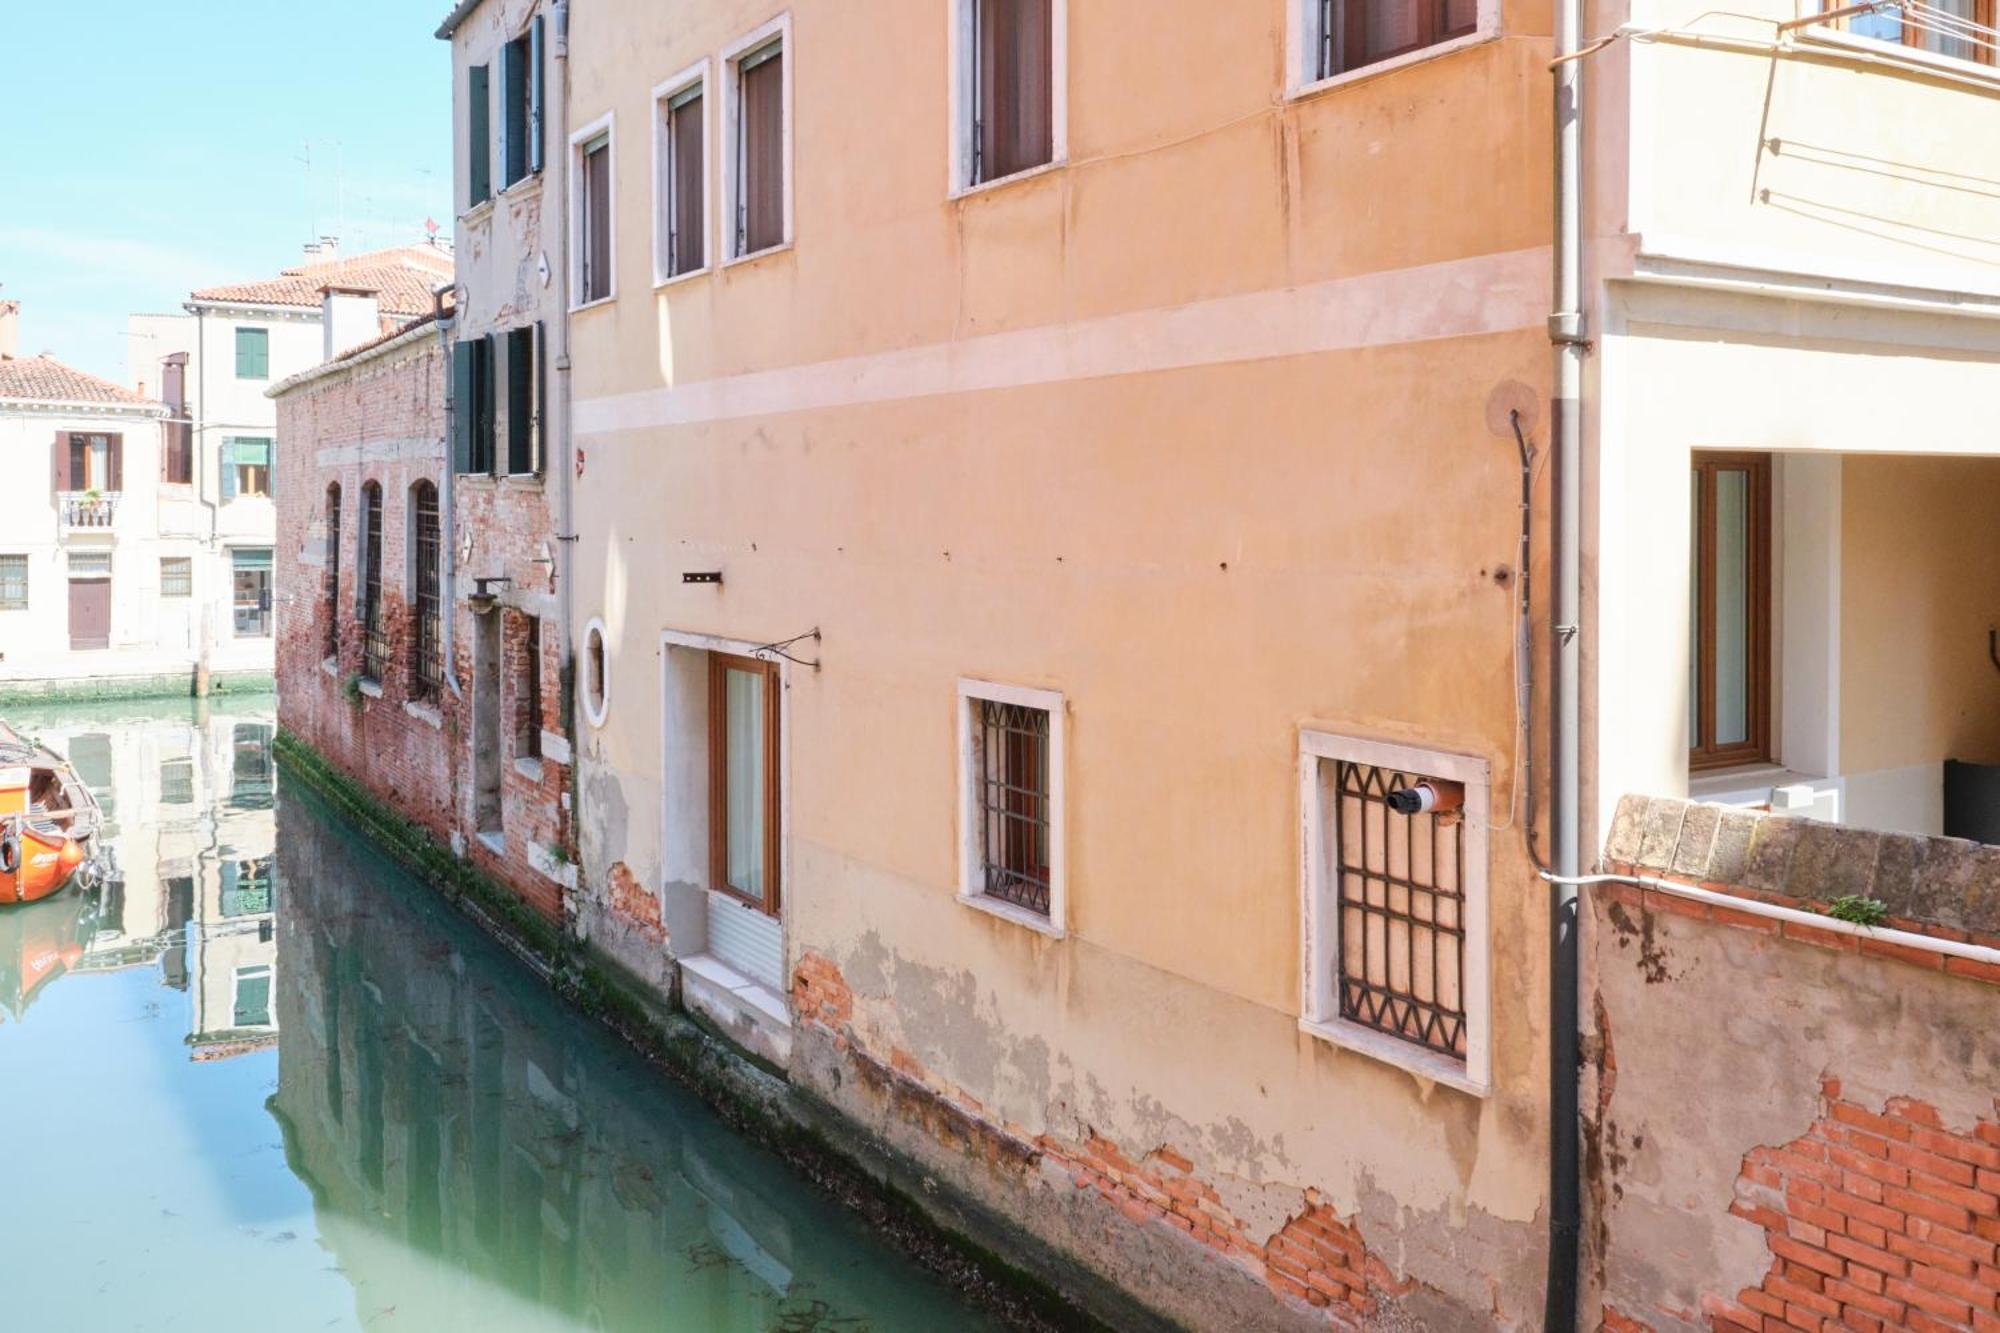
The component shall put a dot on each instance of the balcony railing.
(88, 511)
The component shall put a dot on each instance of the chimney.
(10, 328)
(349, 316)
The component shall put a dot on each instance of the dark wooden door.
(89, 613)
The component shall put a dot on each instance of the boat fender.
(10, 854)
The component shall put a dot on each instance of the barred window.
(1011, 741)
(176, 576)
(427, 645)
(13, 582)
(1395, 905)
(332, 583)
(374, 634)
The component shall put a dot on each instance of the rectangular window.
(1395, 905)
(253, 996)
(759, 172)
(1012, 87)
(1011, 754)
(374, 634)
(176, 576)
(521, 105)
(680, 243)
(177, 781)
(13, 582)
(246, 467)
(252, 774)
(251, 571)
(177, 431)
(478, 137)
(592, 217)
(524, 401)
(1962, 29)
(93, 465)
(330, 586)
(90, 564)
(528, 691)
(253, 354)
(428, 643)
(743, 779)
(1729, 610)
(1346, 35)
(475, 430)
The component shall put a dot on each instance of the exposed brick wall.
(1877, 1219)
(383, 421)
(636, 905)
(1317, 1260)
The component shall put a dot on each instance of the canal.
(261, 1080)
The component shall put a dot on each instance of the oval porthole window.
(596, 674)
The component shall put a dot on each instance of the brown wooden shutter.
(79, 463)
(1016, 86)
(115, 480)
(690, 239)
(59, 462)
(764, 154)
(597, 209)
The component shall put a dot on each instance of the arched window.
(333, 571)
(427, 643)
(374, 636)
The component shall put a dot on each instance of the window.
(596, 677)
(521, 105)
(590, 216)
(253, 354)
(743, 779)
(680, 179)
(1009, 77)
(246, 467)
(90, 564)
(524, 401)
(176, 576)
(478, 137)
(177, 781)
(252, 574)
(87, 463)
(253, 997)
(1962, 29)
(13, 582)
(330, 586)
(1395, 905)
(1729, 611)
(374, 635)
(528, 690)
(177, 431)
(474, 430)
(1346, 35)
(252, 774)
(1011, 815)
(759, 83)
(427, 644)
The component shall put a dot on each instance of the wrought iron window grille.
(1013, 803)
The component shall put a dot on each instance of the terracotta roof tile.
(401, 279)
(44, 379)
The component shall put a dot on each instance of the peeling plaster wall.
(1755, 1023)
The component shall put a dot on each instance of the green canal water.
(263, 1081)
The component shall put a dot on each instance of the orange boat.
(49, 821)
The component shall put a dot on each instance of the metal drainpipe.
(208, 502)
(448, 618)
(565, 454)
(1566, 335)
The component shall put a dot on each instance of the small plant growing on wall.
(558, 854)
(351, 690)
(1861, 911)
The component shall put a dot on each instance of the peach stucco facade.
(1205, 429)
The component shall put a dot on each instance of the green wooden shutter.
(541, 397)
(253, 354)
(463, 409)
(228, 474)
(535, 95)
(479, 137)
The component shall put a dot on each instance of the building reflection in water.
(189, 796)
(450, 1116)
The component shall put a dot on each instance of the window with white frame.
(1341, 36)
(593, 237)
(1008, 59)
(680, 175)
(1010, 744)
(757, 140)
(1395, 959)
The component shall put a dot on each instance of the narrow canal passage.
(264, 1081)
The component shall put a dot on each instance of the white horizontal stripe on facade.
(379, 451)
(1463, 298)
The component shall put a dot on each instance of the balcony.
(87, 511)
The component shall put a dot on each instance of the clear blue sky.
(151, 149)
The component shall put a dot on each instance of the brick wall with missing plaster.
(1317, 1261)
(382, 420)
(1879, 1208)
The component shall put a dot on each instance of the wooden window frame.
(720, 664)
(1756, 748)
(755, 47)
(1985, 14)
(968, 172)
(581, 143)
(670, 242)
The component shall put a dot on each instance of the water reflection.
(294, 1066)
